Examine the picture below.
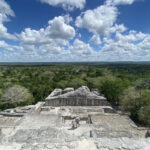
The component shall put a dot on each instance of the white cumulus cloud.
(5, 12)
(99, 20)
(120, 2)
(96, 39)
(58, 30)
(6, 47)
(52, 43)
(66, 4)
(133, 46)
(81, 49)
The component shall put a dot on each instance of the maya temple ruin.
(80, 97)
(47, 125)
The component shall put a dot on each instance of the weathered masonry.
(79, 97)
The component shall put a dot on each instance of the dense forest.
(126, 85)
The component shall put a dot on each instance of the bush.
(14, 96)
(128, 98)
(137, 103)
(144, 115)
(144, 107)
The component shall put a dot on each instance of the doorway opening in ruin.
(83, 120)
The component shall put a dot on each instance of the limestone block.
(66, 90)
(56, 92)
(45, 109)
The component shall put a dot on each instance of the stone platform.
(49, 128)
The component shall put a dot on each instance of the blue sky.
(74, 30)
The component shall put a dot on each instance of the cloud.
(66, 4)
(145, 45)
(6, 47)
(33, 37)
(58, 30)
(132, 36)
(5, 12)
(133, 46)
(80, 49)
(52, 43)
(96, 39)
(49, 42)
(5, 34)
(50, 49)
(102, 21)
(99, 20)
(117, 28)
(120, 2)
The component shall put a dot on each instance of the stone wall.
(72, 101)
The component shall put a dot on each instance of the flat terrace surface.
(50, 129)
(8, 121)
(93, 119)
(114, 125)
